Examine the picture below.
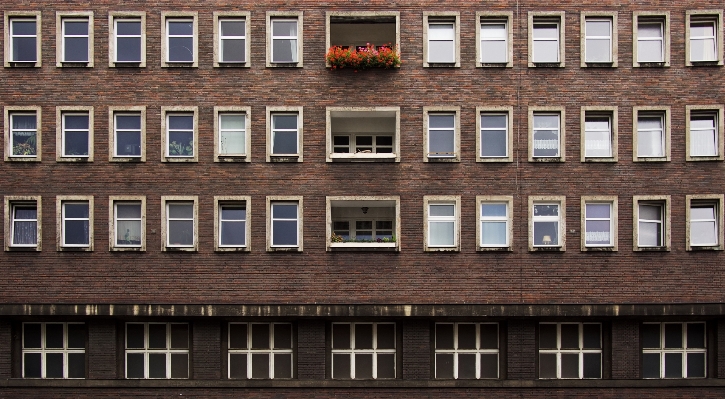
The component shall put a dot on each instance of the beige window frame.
(362, 246)
(8, 126)
(218, 113)
(662, 112)
(717, 112)
(547, 17)
(559, 200)
(10, 202)
(651, 17)
(285, 15)
(219, 202)
(612, 113)
(133, 110)
(60, 112)
(271, 111)
(166, 17)
(114, 200)
(492, 17)
(219, 17)
(716, 201)
(285, 199)
(432, 200)
(449, 111)
(184, 111)
(179, 199)
(20, 15)
(508, 112)
(364, 112)
(442, 17)
(658, 200)
(698, 16)
(376, 37)
(612, 201)
(60, 19)
(611, 17)
(114, 16)
(545, 111)
(60, 202)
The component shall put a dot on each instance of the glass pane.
(650, 144)
(386, 365)
(340, 365)
(650, 335)
(673, 335)
(598, 28)
(232, 28)
(282, 336)
(181, 211)
(23, 28)
(237, 336)
(441, 51)
(284, 233)
(494, 51)
(441, 121)
(341, 336)
(442, 210)
(284, 28)
(649, 30)
(54, 336)
(233, 50)
(181, 28)
(441, 142)
(128, 143)
(546, 233)
(440, 31)
(181, 144)
(598, 232)
(546, 210)
(442, 233)
(181, 232)
(546, 51)
(32, 335)
(651, 365)
(128, 28)
(592, 365)
(649, 51)
(76, 365)
(695, 365)
(547, 365)
(284, 143)
(592, 336)
(283, 365)
(232, 142)
(444, 336)
(75, 49)
(489, 336)
(22, 122)
(284, 211)
(157, 336)
(444, 365)
(260, 336)
(237, 365)
(363, 366)
(25, 233)
(284, 122)
(673, 365)
(598, 50)
(547, 336)
(76, 122)
(696, 335)
(284, 50)
(546, 31)
(466, 365)
(76, 336)
(702, 212)
(128, 122)
(25, 48)
(134, 336)
(569, 365)
(493, 143)
(466, 336)
(493, 233)
(134, 365)
(233, 233)
(386, 336)
(128, 211)
(570, 336)
(598, 211)
(489, 365)
(179, 336)
(363, 336)
(75, 143)
(650, 212)
(702, 49)
(76, 232)
(493, 210)
(703, 233)
(260, 365)
(128, 49)
(75, 28)
(53, 365)
(157, 365)
(32, 365)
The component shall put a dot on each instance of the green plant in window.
(179, 149)
(25, 148)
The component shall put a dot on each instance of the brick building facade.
(196, 204)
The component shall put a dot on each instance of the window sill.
(442, 249)
(441, 65)
(128, 65)
(22, 249)
(231, 158)
(284, 158)
(494, 65)
(599, 160)
(547, 159)
(76, 159)
(705, 63)
(284, 249)
(127, 249)
(284, 65)
(232, 249)
(179, 249)
(22, 64)
(651, 65)
(190, 64)
(75, 249)
(651, 159)
(547, 249)
(363, 246)
(703, 159)
(599, 249)
(598, 65)
(179, 159)
(546, 65)
(21, 159)
(651, 249)
(494, 159)
(231, 65)
(705, 248)
(363, 157)
(443, 159)
(74, 65)
(494, 249)
(127, 159)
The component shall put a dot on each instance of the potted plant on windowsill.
(181, 150)
(337, 241)
(361, 58)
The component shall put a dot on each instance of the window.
(599, 139)
(546, 39)
(442, 228)
(546, 134)
(494, 37)
(231, 134)
(652, 223)
(284, 39)
(652, 134)
(363, 134)
(570, 350)
(127, 134)
(22, 223)
(362, 29)
(231, 39)
(442, 37)
(704, 222)
(180, 223)
(127, 40)
(181, 134)
(704, 37)
(231, 223)
(494, 230)
(74, 33)
(599, 223)
(466, 350)
(651, 39)
(75, 223)
(284, 134)
(179, 33)
(547, 219)
(442, 134)
(284, 224)
(127, 215)
(704, 132)
(356, 223)
(54, 350)
(599, 39)
(157, 350)
(74, 134)
(363, 350)
(22, 39)
(260, 350)
(22, 134)
(495, 141)
(674, 350)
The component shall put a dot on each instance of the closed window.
(441, 135)
(466, 350)
(54, 350)
(598, 136)
(76, 135)
(232, 225)
(546, 36)
(128, 40)
(127, 134)
(24, 134)
(494, 135)
(570, 350)
(442, 231)
(260, 350)
(284, 40)
(546, 224)
(704, 222)
(651, 39)
(157, 350)
(704, 134)
(598, 45)
(285, 227)
(598, 224)
(76, 224)
(442, 39)
(22, 38)
(180, 133)
(495, 220)
(24, 224)
(285, 134)
(651, 224)
(232, 134)
(128, 220)
(651, 135)
(233, 40)
(704, 36)
(363, 350)
(674, 350)
(494, 41)
(180, 224)
(76, 40)
(180, 40)
(546, 137)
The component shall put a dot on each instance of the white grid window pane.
(546, 42)
(703, 136)
(650, 42)
(232, 38)
(494, 42)
(598, 137)
(650, 137)
(703, 44)
(598, 40)
(441, 43)
(284, 40)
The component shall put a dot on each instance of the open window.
(704, 222)
(23, 218)
(651, 44)
(363, 134)
(22, 134)
(704, 129)
(363, 223)
(359, 31)
(651, 222)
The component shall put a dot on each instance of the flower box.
(361, 58)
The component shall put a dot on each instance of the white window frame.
(285, 15)
(114, 200)
(285, 200)
(43, 351)
(60, 202)
(9, 111)
(429, 112)
(331, 156)
(271, 112)
(219, 202)
(139, 111)
(493, 111)
(352, 351)
(651, 17)
(270, 352)
(659, 200)
(441, 18)
(184, 111)
(11, 16)
(717, 113)
(547, 111)
(165, 233)
(225, 157)
(506, 200)
(612, 113)
(488, 18)
(548, 17)
(610, 17)
(661, 112)
(448, 200)
(684, 351)
(478, 351)
(613, 203)
(60, 113)
(125, 16)
(11, 201)
(222, 16)
(699, 16)
(60, 37)
(716, 201)
(580, 351)
(560, 201)
(177, 16)
(168, 351)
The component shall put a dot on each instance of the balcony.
(363, 223)
(369, 134)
